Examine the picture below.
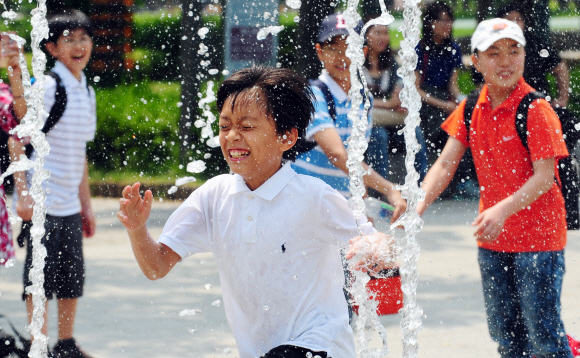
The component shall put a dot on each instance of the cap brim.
(330, 34)
(484, 45)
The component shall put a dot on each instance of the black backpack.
(56, 111)
(567, 167)
(303, 145)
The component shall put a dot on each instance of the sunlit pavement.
(122, 314)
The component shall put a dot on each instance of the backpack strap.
(57, 110)
(470, 103)
(59, 105)
(327, 96)
(522, 115)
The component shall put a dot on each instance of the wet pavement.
(123, 314)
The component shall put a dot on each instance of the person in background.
(380, 70)
(439, 59)
(540, 61)
(327, 160)
(8, 54)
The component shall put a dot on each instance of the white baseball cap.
(489, 31)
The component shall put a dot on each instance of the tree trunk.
(189, 69)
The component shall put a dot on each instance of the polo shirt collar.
(514, 99)
(334, 88)
(271, 187)
(67, 77)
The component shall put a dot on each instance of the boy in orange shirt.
(521, 228)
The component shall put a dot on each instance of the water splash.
(30, 126)
(410, 98)
(357, 146)
(265, 31)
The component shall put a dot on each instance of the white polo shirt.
(277, 251)
(67, 139)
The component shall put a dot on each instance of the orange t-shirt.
(503, 165)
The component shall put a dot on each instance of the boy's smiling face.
(249, 140)
(502, 64)
(73, 50)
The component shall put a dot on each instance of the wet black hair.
(286, 96)
(69, 19)
(430, 15)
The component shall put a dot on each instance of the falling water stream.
(30, 126)
(411, 313)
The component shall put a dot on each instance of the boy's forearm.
(16, 149)
(19, 104)
(155, 259)
(539, 183)
(441, 173)
(85, 191)
(562, 74)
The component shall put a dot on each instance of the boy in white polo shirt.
(275, 234)
(69, 213)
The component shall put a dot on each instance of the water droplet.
(197, 166)
(213, 71)
(227, 350)
(225, 72)
(265, 31)
(187, 312)
(10, 15)
(202, 32)
(171, 190)
(266, 308)
(544, 53)
(96, 79)
(207, 286)
(9, 263)
(216, 303)
(294, 4)
(296, 19)
(65, 33)
(308, 355)
(191, 330)
(295, 277)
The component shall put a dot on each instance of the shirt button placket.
(250, 227)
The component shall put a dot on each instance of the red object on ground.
(387, 292)
(574, 346)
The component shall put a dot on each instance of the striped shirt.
(314, 162)
(67, 140)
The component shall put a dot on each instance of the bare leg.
(30, 309)
(67, 309)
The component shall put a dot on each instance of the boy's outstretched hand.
(372, 253)
(489, 224)
(134, 210)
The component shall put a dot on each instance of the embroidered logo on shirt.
(506, 139)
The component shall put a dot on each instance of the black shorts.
(64, 269)
(287, 351)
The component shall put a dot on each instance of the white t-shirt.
(277, 251)
(67, 139)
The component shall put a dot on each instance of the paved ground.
(125, 315)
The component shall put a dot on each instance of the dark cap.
(335, 25)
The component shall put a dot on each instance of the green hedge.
(137, 132)
(137, 128)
